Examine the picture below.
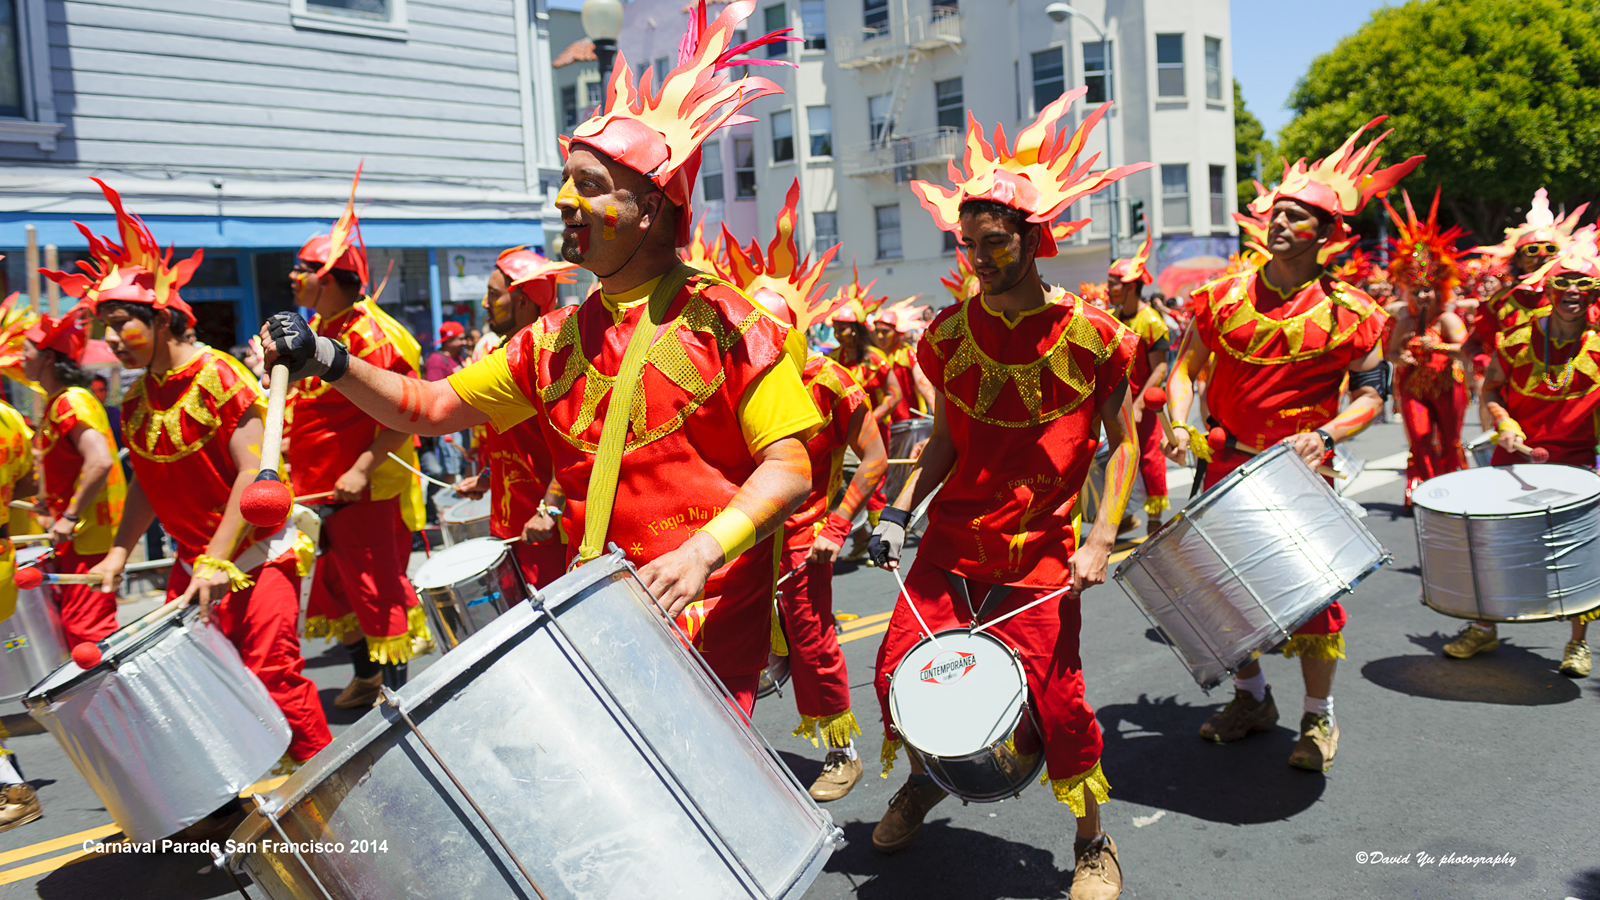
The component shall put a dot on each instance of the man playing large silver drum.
(1284, 338)
(1024, 375)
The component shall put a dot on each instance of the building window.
(878, 119)
(661, 67)
(942, 8)
(744, 168)
(952, 242)
(948, 105)
(1097, 71)
(594, 93)
(824, 231)
(874, 18)
(1219, 197)
(1214, 69)
(379, 18)
(1100, 214)
(777, 18)
(783, 136)
(711, 170)
(10, 61)
(819, 122)
(888, 222)
(361, 9)
(1049, 77)
(569, 106)
(1175, 196)
(1169, 65)
(814, 23)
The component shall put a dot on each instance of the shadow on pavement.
(138, 876)
(1156, 636)
(1509, 675)
(949, 861)
(806, 769)
(1162, 762)
(1586, 885)
(1395, 511)
(337, 716)
(334, 655)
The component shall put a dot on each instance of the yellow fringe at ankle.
(398, 649)
(332, 629)
(1067, 789)
(1316, 646)
(1156, 505)
(891, 749)
(835, 729)
(1590, 616)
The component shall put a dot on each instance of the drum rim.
(505, 550)
(1016, 661)
(163, 620)
(445, 516)
(1533, 511)
(1510, 619)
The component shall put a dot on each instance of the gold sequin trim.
(1518, 347)
(146, 424)
(1241, 311)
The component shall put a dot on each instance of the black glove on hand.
(889, 538)
(307, 354)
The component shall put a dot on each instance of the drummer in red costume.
(785, 286)
(1543, 391)
(1025, 374)
(711, 460)
(359, 591)
(1124, 285)
(1283, 339)
(83, 487)
(517, 473)
(19, 803)
(1426, 344)
(894, 328)
(193, 425)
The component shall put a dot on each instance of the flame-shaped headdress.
(1539, 225)
(782, 282)
(1424, 256)
(658, 133)
(703, 256)
(963, 283)
(1095, 292)
(343, 247)
(1135, 268)
(1580, 256)
(522, 267)
(68, 335)
(854, 303)
(14, 323)
(136, 270)
(903, 317)
(1357, 269)
(1039, 176)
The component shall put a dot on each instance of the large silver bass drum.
(1249, 561)
(576, 747)
(1510, 543)
(35, 644)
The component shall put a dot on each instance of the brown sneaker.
(1241, 716)
(1319, 741)
(839, 774)
(903, 820)
(360, 693)
(1472, 640)
(19, 805)
(1098, 875)
(1576, 661)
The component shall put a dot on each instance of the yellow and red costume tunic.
(519, 474)
(1551, 392)
(178, 426)
(16, 463)
(1432, 396)
(817, 666)
(1153, 337)
(711, 394)
(1280, 373)
(1023, 402)
(360, 579)
(87, 613)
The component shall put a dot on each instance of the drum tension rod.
(393, 700)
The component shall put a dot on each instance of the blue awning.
(263, 232)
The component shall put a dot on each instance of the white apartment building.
(881, 95)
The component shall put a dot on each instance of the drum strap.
(997, 595)
(619, 412)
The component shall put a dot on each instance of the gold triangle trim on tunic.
(1241, 312)
(1518, 346)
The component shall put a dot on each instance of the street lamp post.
(602, 22)
(1058, 12)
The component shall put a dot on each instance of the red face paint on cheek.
(1303, 229)
(135, 336)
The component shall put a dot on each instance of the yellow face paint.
(1003, 257)
(569, 193)
(608, 224)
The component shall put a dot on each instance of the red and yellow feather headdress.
(1095, 292)
(1581, 256)
(903, 316)
(963, 283)
(1424, 256)
(1357, 269)
(1540, 224)
(1135, 268)
(703, 256)
(15, 321)
(854, 303)
(783, 283)
(342, 248)
(136, 270)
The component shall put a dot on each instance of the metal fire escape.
(899, 49)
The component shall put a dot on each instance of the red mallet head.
(1539, 455)
(1155, 396)
(28, 578)
(1217, 438)
(87, 655)
(265, 503)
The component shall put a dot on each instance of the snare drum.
(466, 520)
(35, 643)
(168, 727)
(962, 705)
(904, 436)
(1514, 543)
(467, 586)
(577, 742)
(1248, 562)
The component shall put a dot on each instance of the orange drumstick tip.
(265, 503)
(28, 578)
(1155, 396)
(87, 655)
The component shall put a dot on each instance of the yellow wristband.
(734, 532)
(1199, 442)
(1510, 424)
(237, 580)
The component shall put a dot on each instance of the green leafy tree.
(1249, 142)
(1503, 97)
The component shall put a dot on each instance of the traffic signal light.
(1135, 218)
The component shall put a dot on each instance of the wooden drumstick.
(1534, 454)
(23, 505)
(30, 577)
(266, 502)
(32, 538)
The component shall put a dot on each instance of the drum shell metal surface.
(591, 736)
(458, 610)
(464, 521)
(903, 437)
(1538, 565)
(1248, 562)
(35, 644)
(165, 730)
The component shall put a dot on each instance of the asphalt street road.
(1489, 757)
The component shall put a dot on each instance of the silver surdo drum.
(464, 521)
(1249, 561)
(168, 727)
(1480, 450)
(575, 748)
(903, 438)
(961, 704)
(1510, 543)
(34, 641)
(465, 587)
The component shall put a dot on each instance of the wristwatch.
(70, 517)
(1327, 440)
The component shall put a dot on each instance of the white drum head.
(458, 563)
(1507, 490)
(468, 510)
(31, 553)
(958, 699)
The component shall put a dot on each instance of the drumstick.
(317, 496)
(892, 462)
(22, 505)
(1050, 596)
(1534, 454)
(914, 611)
(266, 501)
(419, 473)
(31, 538)
(30, 577)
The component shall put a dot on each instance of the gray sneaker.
(1241, 716)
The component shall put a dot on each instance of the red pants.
(262, 622)
(1433, 429)
(1152, 462)
(743, 688)
(362, 574)
(540, 563)
(816, 664)
(87, 614)
(1047, 638)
